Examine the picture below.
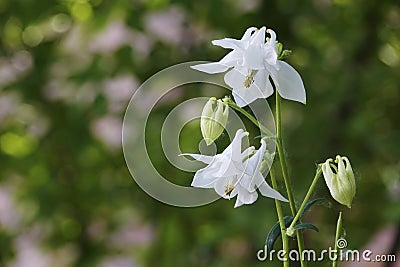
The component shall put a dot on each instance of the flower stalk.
(290, 231)
(286, 178)
(285, 239)
(339, 227)
(233, 105)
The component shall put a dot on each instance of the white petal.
(247, 152)
(271, 54)
(271, 57)
(289, 83)
(260, 88)
(253, 181)
(203, 158)
(238, 203)
(229, 167)
(272, 40)
(329, 176)
(204, 179)
(233, 58)
(219, 187)
(252, 165)
(228, 43)
(268, 191)
(258, 37)
(222, 184)
(254, 57)
(245, 196)
(231, 158)
(248, 33)
(245, 181)
(234, 150)
(270, 51)
(214, 67)
(254, 53)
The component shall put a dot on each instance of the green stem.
(282, 157)
(233, 105)
(285, 239)
(338, 235)
(282, 160)
(290, 231)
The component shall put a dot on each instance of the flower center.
(249, 78)
(228, 189)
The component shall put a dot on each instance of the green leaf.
(303, 226)
(311, 203)
(275, 232)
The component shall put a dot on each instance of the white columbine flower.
(232, 173)
(253, 60)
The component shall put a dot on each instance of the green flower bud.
(341, 182)
(213, 119)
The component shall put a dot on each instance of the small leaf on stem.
(302, 226)
(275, 232)
(311, 203)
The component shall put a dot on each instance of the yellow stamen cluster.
(229, 188)
(249, 79)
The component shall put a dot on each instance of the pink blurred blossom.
(108, 129)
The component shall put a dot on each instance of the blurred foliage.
(68, 69)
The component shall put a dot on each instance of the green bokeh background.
(68, 69)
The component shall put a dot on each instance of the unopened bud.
(340, 180)
(213, 119)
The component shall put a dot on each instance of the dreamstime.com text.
(326, 254)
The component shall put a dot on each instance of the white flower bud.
(341, 182)
(213, 119)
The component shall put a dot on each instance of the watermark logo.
(331, 254)
(341, 243)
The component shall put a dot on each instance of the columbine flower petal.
(268, 191)
(245, 197)
(203, 158)
(289, 83)
(211, 68)
(248, 86)
(233, 58)
(254, 177)
(204, 178)
(253, 58)
(230, 43)
(225, 186)
(253, 164)
(226, 164)
(232, 156)
(270, 54)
